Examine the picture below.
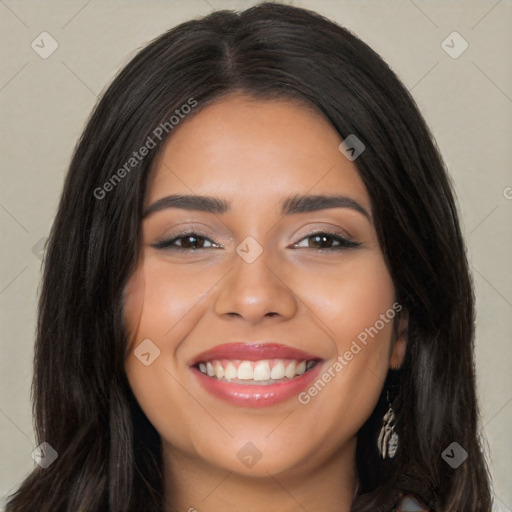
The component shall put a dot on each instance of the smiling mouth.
(259, 372)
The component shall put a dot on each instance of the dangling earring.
(388, 438)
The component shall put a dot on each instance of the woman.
(256, 294)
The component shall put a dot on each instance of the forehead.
(243, 148)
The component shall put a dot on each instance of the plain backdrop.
(45, 100)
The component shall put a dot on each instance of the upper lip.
(252, 352)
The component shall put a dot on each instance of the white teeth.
(289, 371)
(262, 371)
(245, 371)
(301, 368)
(256, 371)
(230, 373)
(278, 371)
(219, 370)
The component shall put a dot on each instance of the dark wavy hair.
(109, 455)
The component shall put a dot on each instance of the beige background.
(467, 102)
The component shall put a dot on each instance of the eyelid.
(165, 242)
(334, 231)
(346, 242)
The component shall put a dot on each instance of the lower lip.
(254, 395)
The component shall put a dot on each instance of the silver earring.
(388, 438)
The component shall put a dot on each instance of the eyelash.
(167, 243)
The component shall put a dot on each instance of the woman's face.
(263, 290)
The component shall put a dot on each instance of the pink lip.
(255, 395)
(253, 352)
(249, 395)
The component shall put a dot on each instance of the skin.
(254, 153)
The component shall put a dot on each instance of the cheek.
(366, 316)
(163, 305)
(161, 299)
(351, 297)
(160, 305)
(355, 304)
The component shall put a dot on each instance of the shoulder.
(410, 503)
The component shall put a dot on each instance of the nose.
(256, 290)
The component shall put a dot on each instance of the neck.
(193, 485)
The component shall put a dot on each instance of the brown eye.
(321, 240)
(188, 242)
(192, 242)
(324, 240)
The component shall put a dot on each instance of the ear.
(399, 345)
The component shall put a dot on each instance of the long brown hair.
(109, 455)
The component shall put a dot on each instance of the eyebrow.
(290, 205)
